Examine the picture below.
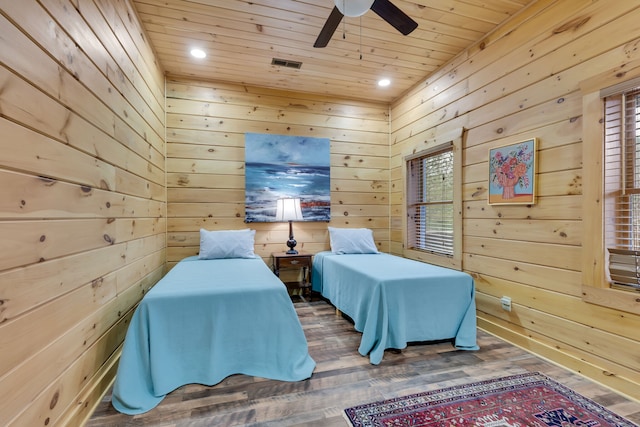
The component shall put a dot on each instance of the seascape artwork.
(280, 166)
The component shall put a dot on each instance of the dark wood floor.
(343, 378)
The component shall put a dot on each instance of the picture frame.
(512, 173)
(287, 166)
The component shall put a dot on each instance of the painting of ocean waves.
(280, 166)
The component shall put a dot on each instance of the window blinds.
(622, 187)
(430, 201)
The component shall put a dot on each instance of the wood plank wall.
(84, 201)
(206, 125)
(520, 82)
(83, 204)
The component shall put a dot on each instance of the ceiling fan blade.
(394, 16)
(329, 28)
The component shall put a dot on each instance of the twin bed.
(207, 319)
(227, 313)
(394, 301)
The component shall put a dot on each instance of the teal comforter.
(206, 320)
(394, 300)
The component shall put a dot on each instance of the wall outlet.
(506, 303)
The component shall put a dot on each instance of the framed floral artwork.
(512, 173)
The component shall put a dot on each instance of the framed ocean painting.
(279, 166)
(512, 173)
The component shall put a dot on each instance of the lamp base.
(291, 243)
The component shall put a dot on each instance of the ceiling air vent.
(286, 63)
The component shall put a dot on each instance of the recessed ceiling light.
(198, 53)
(384, 82)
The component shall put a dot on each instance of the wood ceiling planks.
(242, 37)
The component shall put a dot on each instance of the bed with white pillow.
(220, 313)
(393, 300)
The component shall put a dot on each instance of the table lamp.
(288, 209)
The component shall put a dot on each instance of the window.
(430, 213)
(610, 191)
(622, 187)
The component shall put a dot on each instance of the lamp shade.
(288, 209)
(353, 8)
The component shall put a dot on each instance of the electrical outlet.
(506, 303)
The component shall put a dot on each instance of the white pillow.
(352, 241)
(226, 244)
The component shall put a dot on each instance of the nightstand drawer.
(293, 261)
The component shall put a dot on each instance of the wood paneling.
(92, 208)
(242, 37)
(83, 207)
(523, 83)
(206, 124)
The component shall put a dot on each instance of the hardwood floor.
(343, 378)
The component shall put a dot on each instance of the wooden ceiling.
(242, 37)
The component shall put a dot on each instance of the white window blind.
(622, 187)
(430, 201)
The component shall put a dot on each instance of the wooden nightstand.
(302, 262)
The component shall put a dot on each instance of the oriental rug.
(525, 400)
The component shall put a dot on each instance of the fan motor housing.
(353, 8)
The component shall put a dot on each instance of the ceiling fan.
(352, 8)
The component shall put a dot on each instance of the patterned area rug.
(526, 400)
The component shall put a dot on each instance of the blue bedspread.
(206, 320)
(394, 300)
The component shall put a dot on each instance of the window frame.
(596, 288)
(622, 187)
(453, 139)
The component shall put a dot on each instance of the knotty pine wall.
(83, 204)
(206, 125)
(83, 184)
(520, 82)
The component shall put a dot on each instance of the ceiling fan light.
(353, 8)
